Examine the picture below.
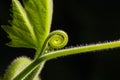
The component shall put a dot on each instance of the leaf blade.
(42, 10)
(20, 27)
(32, 22)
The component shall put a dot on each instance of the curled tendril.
(55, 40)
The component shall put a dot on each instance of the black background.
(86, 22)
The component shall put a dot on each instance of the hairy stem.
(65, 52)
(35, 72)
(82, 49)
(33, 66)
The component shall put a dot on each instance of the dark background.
(86, 22)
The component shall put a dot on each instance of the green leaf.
(40, 15)
(30, 27)
(30, 24)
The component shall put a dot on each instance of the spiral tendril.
(55, 40)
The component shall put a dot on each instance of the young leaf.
(21, 33)
(30, 24)
(40, 15)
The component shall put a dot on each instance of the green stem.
(38, 51)
(82, 49)
(35, 73)
(34, 65)
(65, 52)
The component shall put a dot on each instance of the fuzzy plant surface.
(30, 28)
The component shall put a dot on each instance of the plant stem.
(65, 52)
(37, 70)
(82, 49)
(38, 51)
(33, 66)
